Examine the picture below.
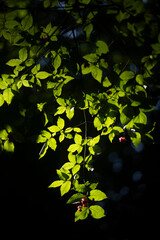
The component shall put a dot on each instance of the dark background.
(29, 208)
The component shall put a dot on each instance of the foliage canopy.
(84, 69)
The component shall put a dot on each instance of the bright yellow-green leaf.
(14, 62)
(75, 169)
(96, 73)
(54, 128)
(23, 54)
(97, 195)
(56, 183)
(102, 47)
(8, 146)
(78, 139)
(52, 143)
(106, 82)
(1, 99)
(8, 95)
(65, 187)
(60, 123)
(97, 211)
(43, 75)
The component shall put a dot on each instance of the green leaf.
(60, 123)
(1, 99)
(27, 22)
(96, 73)
(23, 54)
(97, 123)
(78, 139)
(136, 140)
(52, 143)
(139, 79)
(65, 187)
(8, 146)
(11, 24)
(102, 47)
(14, 62)
(97, 211)
(68, 165)
(35, 69)
(73, 147)
(8, 95)
(111, 136)
(54, 129)
(75, 169)
(75, 198)
(57, 62)
(69, 112)
(106, 82)
(91, 58)
(141, 118)
(3, 84)
(56, 183)
(76, 129)
(3, 134)
(126, 114)
(97, 195)
(127, 75)
(43, 75)
(81, 215)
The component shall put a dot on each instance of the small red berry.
(84, 202)
(10, 137)
(79, 208)
(86, 65)
(109, 92)
(122, 139)
(45, 38)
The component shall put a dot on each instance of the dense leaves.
(75, 78)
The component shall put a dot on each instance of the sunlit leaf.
(23, 54)
(52, 143)
(97, 211)
(97, 195)
(75, 198)
(43, 75)
(56, 183)
(8, 95)
(81, 215)
(65, 187)
(102, 47)
(8, 146)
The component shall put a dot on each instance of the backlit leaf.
(65, 187)
(81, 215)
(8, 146)
(14, 62)
(43, 75)
(102, 47)
(8, 95)
(56, 183)
(75, 198)
(97, 211)
(23, 54)
(91, 58)
(60, 123)
(52, 143)
(97, 195)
